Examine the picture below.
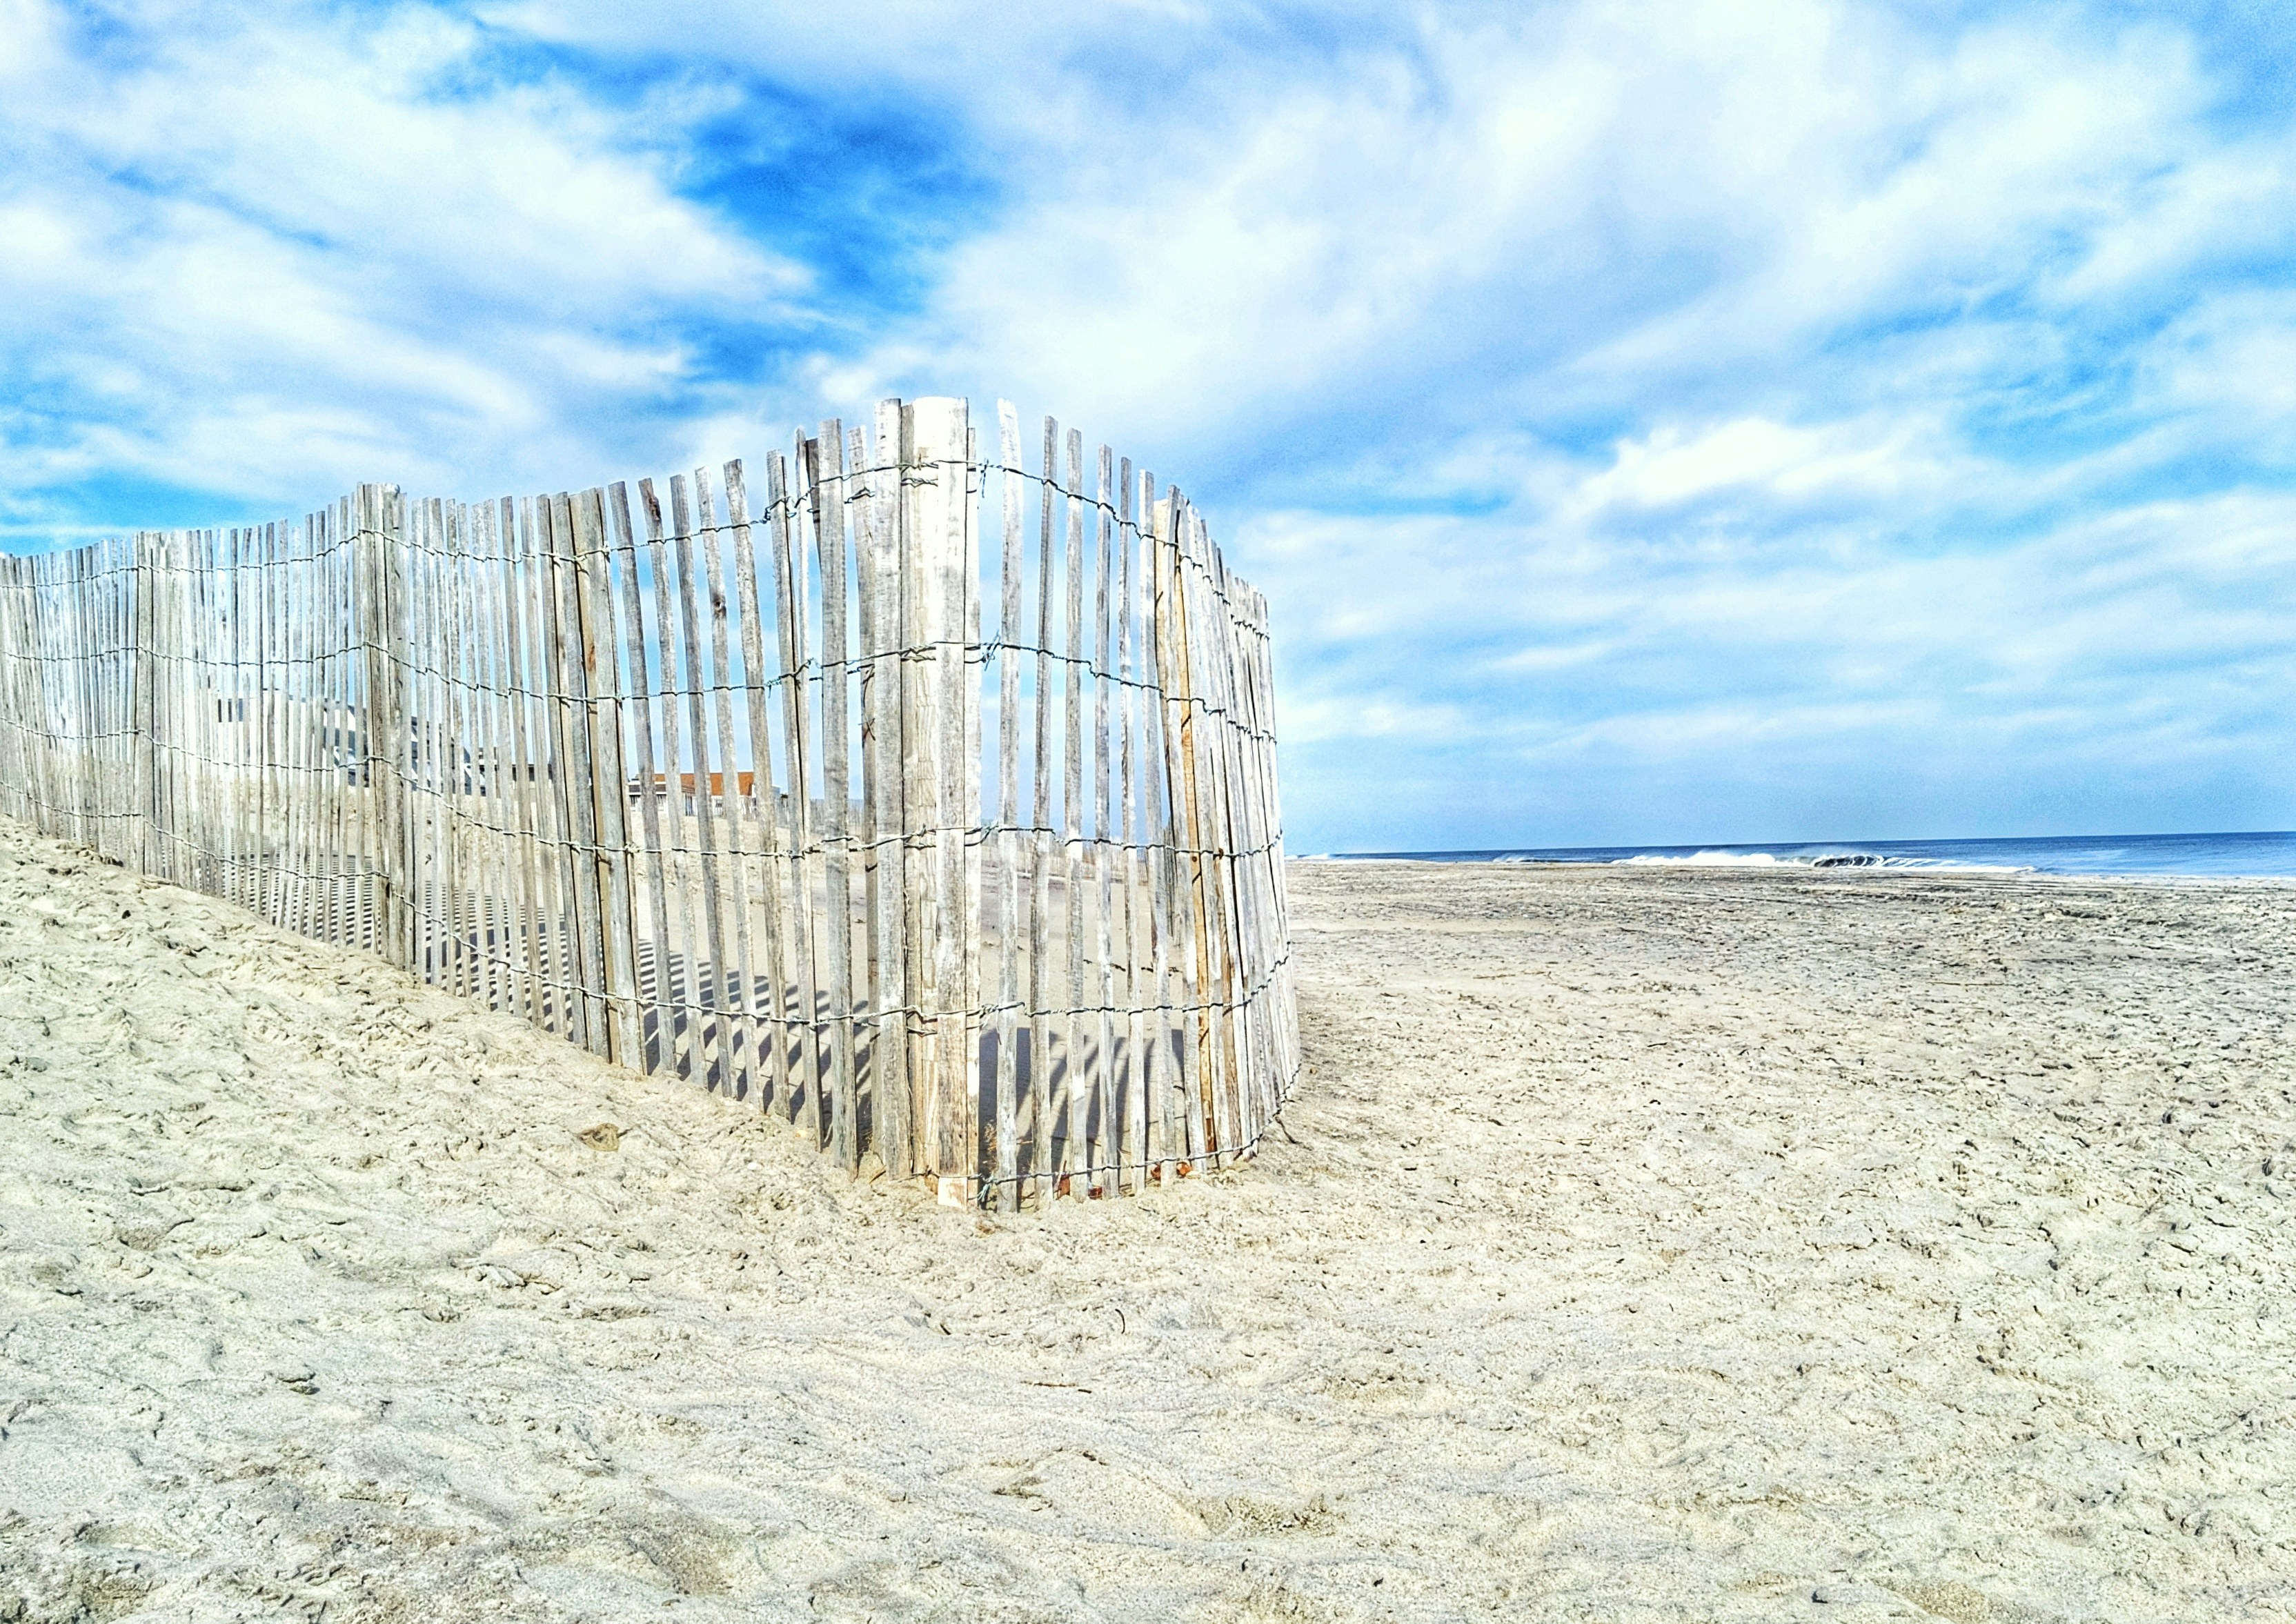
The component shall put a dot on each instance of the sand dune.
(1651, 1245)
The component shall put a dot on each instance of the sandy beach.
(1642, 1244)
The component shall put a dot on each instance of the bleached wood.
(185, 702)
(771, 1030)
(739, 1002)
(1131, 1087)
(892, 1097)
(864, 486)
(1108, 1137)
(937, 596)
(830, 502)
(1005, 1152)
(1044, 1151)
(1074, 672)
(652, 878)
(525, 803)
(705, 812)
(577, 830)
(687, 922)
(484, 843)
(609, 777)
(783, 503)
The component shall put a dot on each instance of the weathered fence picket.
(970, 868)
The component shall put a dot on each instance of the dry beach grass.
(1703, 1246)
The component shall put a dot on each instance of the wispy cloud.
(1660, 421)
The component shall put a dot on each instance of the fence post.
(381, 607)
(937, 603)
(141, 722)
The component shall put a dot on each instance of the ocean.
(2222, 856)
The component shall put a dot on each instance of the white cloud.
(1682, 393)
(283, 254)
(1673, 463)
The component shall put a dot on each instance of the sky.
(1651, 423)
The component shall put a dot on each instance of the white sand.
(1655, 1246)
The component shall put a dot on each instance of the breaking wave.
(1816, 860)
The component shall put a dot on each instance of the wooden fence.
(924, 797)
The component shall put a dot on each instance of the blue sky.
(1652, 423)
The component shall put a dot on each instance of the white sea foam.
(1830, 860)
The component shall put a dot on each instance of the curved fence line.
(925, 797)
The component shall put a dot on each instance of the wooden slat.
(739, 1002)
(1074, 653)
(772, 1015)
(577, 834)
(783, 519)
(864, 489)
(967, 674)
(712, 979)
(1229, 831)
(935, 600)
(296, 636)
(600, 660)
(436, 630)
(398, 806)
(689, 922)
(1259, 1059)
(1131, 1089)
(1184, 946)
(490, 883)
(293, 729)
(1108, 1134)
(524, 804)
(1008, 796)
(1044, 1151)
(338, 769)
(653, 880)
(830, 542)
(1199, 731)
(553, 902)
(898, 1139)
(381, 717)
(1166, 1146)
(475, 859)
